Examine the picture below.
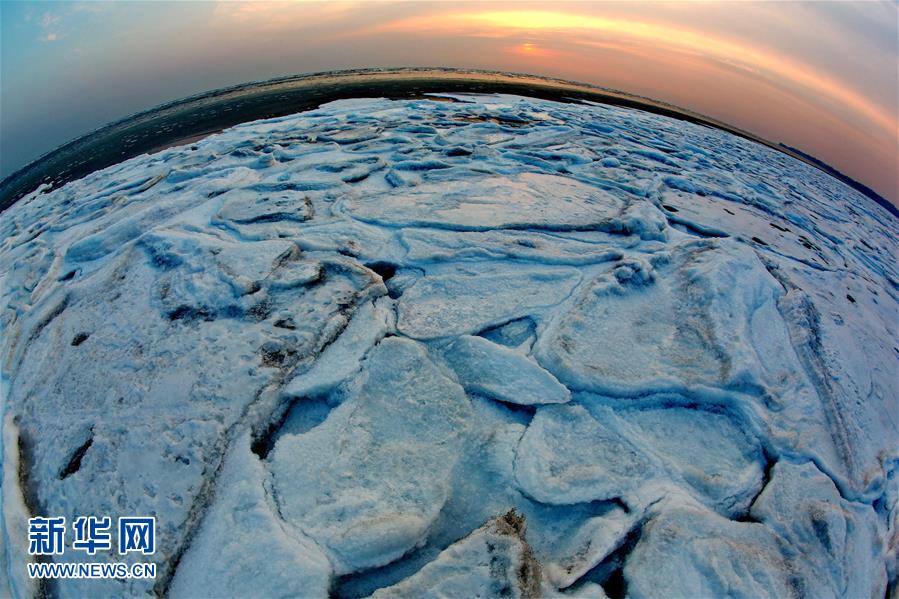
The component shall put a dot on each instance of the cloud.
(803, 77)
(280, 15)
(48, 23)
(48, 19)
(533, 50)
(90, 7)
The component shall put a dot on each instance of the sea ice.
(353, 351)
(495, 371)
(555, 465)
(368, 482)
(243, 548)
(467, 299)
(494, 561)
(689, 552)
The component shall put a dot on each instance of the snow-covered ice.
(346, 482)
(243, 521)
(491, 369)
(493, 561)
(472, 345)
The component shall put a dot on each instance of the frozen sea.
(465, 346)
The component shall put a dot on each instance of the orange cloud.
(662, 36)
(533, 50)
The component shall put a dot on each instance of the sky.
(819, 76)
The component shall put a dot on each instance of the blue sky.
(821, 76)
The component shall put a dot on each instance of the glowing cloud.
(532, 50)
(746, 57)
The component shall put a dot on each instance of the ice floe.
(494, 561)
(503, 374)
(482, 346)
(368, 482)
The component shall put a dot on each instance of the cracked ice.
(482, 346)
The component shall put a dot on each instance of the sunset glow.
(529, 49)
(743, 56)
(821, 77)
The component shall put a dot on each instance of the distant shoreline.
(192, 118)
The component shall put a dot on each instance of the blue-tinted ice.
(492, 346)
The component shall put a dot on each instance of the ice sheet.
(344, 344)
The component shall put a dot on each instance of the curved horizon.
(168, 124)
(174, 102)
(818, 77)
